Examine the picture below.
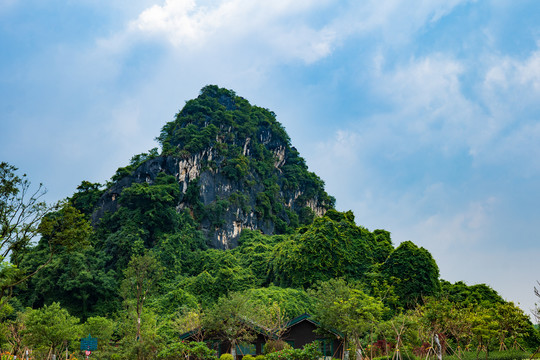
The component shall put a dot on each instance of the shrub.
(309, 352)
(274, 345)
(248, 357)
(226, 356)
(193, 350)
(493, 355)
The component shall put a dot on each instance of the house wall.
(298, 335)
(304, 333)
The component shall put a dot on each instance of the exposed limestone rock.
(239, 159)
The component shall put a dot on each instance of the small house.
(298, 332)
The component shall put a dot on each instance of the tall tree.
(62, 231)
(21, 211)
(141, 277)
(348, 310)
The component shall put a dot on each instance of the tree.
(513, 324)
(536, 311)
(415, 272)
(101, 328)
(86, 197)
(348, 310)
(49, 265)
(141, 277)
(231, 319)
(333, 246)
(182, 350)
(21, 211)
(190, 320)
(292, 302)
(49, 328)
(151, 341)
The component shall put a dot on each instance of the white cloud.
(510, 93)
(427, 106)
(191, 26)
(450, 230)
(284, 29)
(395, 21)
(507, 72)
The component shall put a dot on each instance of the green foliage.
(86, 197)
(309, 352)
(178, 251)
(226, 356)
(255, 252)
(463, 294)
(415, 272)
(493, 326)
(152, 207)
(140, 278)
(274, 345)
(173, 299)
(293, 302)
(347, 310)
(333, 246)
(147, 345)
(237, 168)
(100, 328)
(215, 273)
(47, 329)
(250, 144)
(64, 266)
(78, 280)
(21, 211)
(186, 350)
(494, 355)
(156, 257)
(134, 163)
(231, 317)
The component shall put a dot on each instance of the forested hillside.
(225, 214)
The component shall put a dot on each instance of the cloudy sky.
(423, 117)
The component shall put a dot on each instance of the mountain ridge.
(235, 166)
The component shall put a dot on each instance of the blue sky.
(421, 116)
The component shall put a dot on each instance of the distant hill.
(235, 169)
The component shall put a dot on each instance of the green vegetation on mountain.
(224, 225)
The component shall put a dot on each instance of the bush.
(309, 352)
(226, 356)
(493, 355)
(275, 345)
(260, 357)
(193, 350)
(248, 357)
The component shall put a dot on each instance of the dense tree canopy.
(142, 269)
(415, 272)
(333, 246)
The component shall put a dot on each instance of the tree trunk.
(138, 338)
(233, 350)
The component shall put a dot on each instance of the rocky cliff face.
(237, 160)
